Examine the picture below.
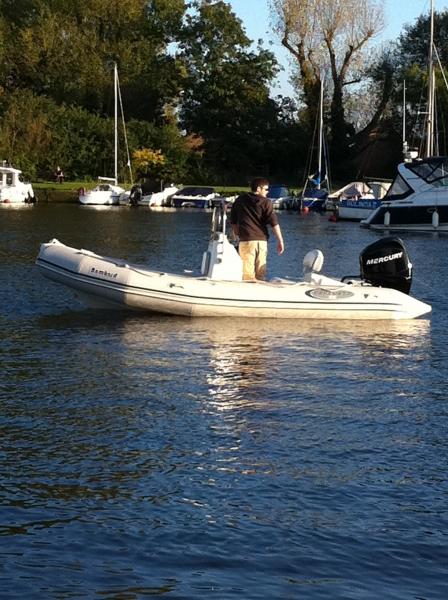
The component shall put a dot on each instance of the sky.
(256, 19)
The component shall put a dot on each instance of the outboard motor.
(135, 195)
(386, 263)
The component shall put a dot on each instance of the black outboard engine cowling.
(136, 195)
(386, 263)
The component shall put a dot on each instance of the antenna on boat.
(405, 144)
(408, 154)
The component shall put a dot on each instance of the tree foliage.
(328, 38)
(411, 67)
(193, 86)
(66, 50)
(226, 95)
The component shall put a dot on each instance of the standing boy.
(250, 216)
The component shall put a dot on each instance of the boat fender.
(82, 191)
(435, 219)
(387, 218)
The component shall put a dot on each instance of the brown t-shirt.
(252, 214)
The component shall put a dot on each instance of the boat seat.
(312, 265)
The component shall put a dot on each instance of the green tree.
(412, 67)
(65, 50)
(328, 37)
(226, 90)
(25, 135)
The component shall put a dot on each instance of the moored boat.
(13, 189)
(317, 185)
(105, 193)
(282, 198)
(108, 192)
(136, 197)
(355, 201)
(194, 197)
(418, 198)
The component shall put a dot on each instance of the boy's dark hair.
(258, 182)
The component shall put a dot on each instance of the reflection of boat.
(358, 199)
(219, 291)
(13, 190)
(418, 197)
(194, 197)
(99, 207)
(108, 191)
(317, 186)
(281, 197)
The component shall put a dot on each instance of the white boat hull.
(12, 189)
(113, 283)
(417, 200)
(99, 198)
(357, 210)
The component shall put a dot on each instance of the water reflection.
(143, 454)
(16, 205)
(248, 361)
(99, 207)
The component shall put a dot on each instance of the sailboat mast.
(404, 116)
(321, 134)
(115, 123)
(431, 90)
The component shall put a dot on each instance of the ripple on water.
(149, 456)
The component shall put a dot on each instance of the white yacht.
(355, 201)
(418, 197)
(13, 188)
(108, 191)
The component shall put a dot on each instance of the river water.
(149, 456)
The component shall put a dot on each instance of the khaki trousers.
(253, 255)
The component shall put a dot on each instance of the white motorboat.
(13, 189)
(108, 192)
(281, 198)
(356, 200)
(159, 198)
(103, 282)
(194, 197)
(155, 199)
(418, 198)
(105, 193)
